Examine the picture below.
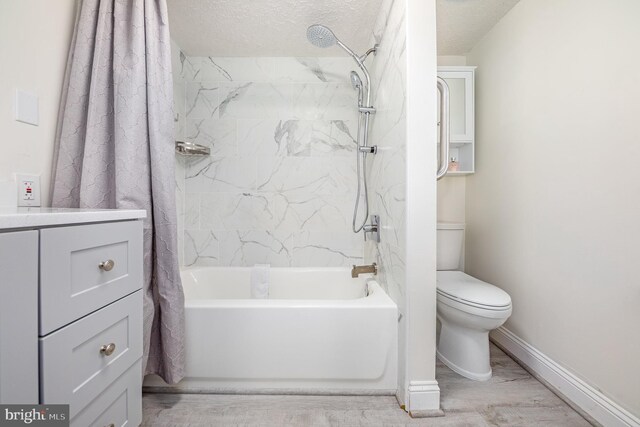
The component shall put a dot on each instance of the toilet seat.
(467, 293)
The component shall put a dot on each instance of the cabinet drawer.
(75, 369)
(72, 281)
(119, 405)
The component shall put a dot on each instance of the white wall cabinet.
(461, 82)
(71, 319)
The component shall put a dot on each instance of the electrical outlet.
(28, 190)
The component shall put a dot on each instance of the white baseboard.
(591, 401)
(424, 399)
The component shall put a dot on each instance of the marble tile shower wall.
(387, 170)
(279, 185)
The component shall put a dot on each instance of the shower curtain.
(114, 149)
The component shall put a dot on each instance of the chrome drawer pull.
(107, 265)
(108, 349)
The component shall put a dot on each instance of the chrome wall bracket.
(373, 50)
(190, 149)
(368, 149)
(368, 110)
(373, 229)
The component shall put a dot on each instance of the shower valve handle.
(373, 229)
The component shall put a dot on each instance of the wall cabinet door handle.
(443, 87)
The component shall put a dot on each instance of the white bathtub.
(320, 331)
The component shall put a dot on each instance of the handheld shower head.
(321, 36)
(356, 82)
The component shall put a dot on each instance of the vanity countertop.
(20, 217)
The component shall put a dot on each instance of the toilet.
(467, 308)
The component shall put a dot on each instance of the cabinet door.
(73, 280)
(120, 404)
(19, 317)
(461, 122)
(75, 363)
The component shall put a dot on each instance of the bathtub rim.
(377, 297)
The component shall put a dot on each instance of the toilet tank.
(450, 246)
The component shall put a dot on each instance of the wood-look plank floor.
(511, 398)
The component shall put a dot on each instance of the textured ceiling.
(462, 23)
(278, 27)
(268, 27)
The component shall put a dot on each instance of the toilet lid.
(469, 290)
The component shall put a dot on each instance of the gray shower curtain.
(114, 149)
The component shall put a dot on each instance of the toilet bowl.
(468, 309)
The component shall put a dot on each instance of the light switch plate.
(28, 189)
(26, 107)
(8, 192)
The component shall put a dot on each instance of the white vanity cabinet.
(19, 317)
(461, 82)
(71, 312)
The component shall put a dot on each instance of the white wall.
(452, 60)
(452, 199)
(423, 391)
(34, 41)
(553, 210)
